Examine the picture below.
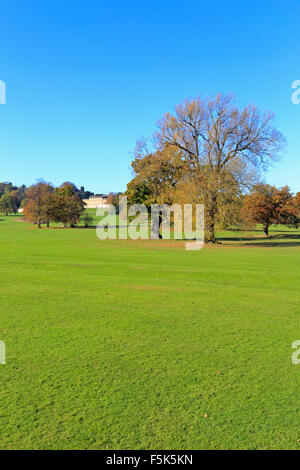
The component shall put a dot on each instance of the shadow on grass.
(261, 231)
(281, 238)
(277, 240)
(267, 244)
(95, 226)
(12, 215)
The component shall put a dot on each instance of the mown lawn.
(144, 345)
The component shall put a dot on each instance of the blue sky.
(86, 78)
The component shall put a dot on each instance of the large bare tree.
(215, 137)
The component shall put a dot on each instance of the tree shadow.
(12, 215)
(261, 231)
(262, 239)
(236, 239)
(273, 244)
(95, 226)
(84, 227)
(290, 236)
(277, 240)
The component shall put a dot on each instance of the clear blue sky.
(86, 78)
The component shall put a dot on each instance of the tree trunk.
(48, 223)
(210, 236)
(266, 230)
(211, 212)
(160, 225)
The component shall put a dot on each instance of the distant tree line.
(44, 203)
(14, 195)
(262, 204)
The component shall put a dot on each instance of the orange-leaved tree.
(269, 205)
(38, 203)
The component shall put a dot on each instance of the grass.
(130, 344)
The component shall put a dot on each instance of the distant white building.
(95, 201)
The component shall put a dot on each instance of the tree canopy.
(8, 203)
(66, 205)
(38, 203)
(269, 205)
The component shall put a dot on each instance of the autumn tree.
(293, 207)
(8, 203)
(216, 139)
(156, 177)
(38, 203)
(138, 192)
(66, 206)
(194, 190)
(269, 205)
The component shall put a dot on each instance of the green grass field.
(130, 344)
